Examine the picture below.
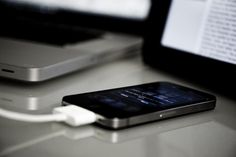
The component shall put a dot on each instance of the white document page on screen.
(203, 27)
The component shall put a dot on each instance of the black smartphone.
(133, 105)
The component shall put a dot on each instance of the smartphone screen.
(141, 100)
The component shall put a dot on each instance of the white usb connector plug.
(72, 115)
(75, 116)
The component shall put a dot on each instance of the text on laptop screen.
(202, 27)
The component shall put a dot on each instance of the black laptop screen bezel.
(186, 64)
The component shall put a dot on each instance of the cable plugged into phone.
(161, 99)
(71, 115)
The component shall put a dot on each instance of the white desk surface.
(206, 134)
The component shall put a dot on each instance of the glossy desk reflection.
(208, 134)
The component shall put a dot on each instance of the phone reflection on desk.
(56, 130)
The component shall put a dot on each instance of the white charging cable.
(72, 115)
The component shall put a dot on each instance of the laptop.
(34, 62)
(35, 47)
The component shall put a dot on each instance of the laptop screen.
(122, 16)
(203, 27)
(132, 9)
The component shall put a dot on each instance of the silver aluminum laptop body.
(34, 62)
